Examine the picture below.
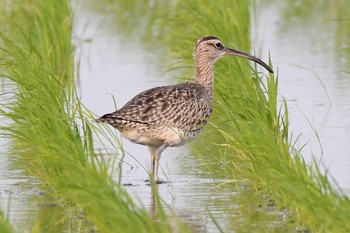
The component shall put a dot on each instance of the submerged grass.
(5, 226)
(51, 138)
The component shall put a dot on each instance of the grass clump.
(51, 138)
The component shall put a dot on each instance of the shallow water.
(311, 79)
(15, 191)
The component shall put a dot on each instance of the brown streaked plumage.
(171, 116)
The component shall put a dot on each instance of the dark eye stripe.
(218, 45)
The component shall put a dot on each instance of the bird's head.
(211, 49)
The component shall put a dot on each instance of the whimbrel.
(171, 116)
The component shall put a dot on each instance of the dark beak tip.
(233, 52)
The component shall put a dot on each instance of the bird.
(171, 116)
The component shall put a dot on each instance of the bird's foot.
(157, 181)
(161, 182)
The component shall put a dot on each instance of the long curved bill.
(237, 53)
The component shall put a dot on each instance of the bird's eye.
(218, 45)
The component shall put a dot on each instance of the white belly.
(156, 137)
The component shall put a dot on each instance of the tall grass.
(51, 138)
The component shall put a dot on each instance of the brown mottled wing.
(181, 106)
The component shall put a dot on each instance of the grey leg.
(153, 161)
(156, 153)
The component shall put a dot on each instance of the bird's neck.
(204, 71)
